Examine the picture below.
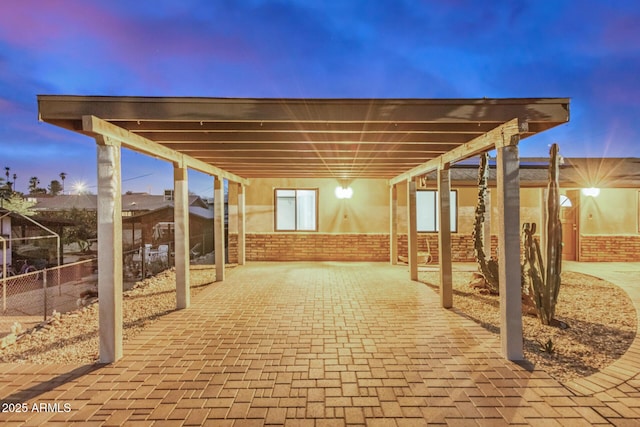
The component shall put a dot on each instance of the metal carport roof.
(339, 138)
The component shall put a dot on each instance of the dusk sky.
(588, 51)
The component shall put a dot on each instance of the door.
(569, 219)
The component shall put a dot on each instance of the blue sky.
(586, 50)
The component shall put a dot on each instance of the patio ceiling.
(338, 138)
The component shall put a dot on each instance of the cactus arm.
(554, 232)
(487, 267)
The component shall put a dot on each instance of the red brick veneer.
(619, 248)
(340, 247)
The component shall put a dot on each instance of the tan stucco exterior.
(366, 212)
(613, 211)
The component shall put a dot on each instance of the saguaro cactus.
(488, 267)
(544, 283)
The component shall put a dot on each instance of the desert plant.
(488, 266)
(543, 282)
(547, 347)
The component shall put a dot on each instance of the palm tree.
(33, 184)
(63, 176)
(7, 174)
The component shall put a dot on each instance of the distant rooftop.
(130, 202)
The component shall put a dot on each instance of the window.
(427, 210)
(296, 210)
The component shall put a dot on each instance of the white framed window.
(427, 211)
(296, 209)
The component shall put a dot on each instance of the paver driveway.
(306, 344)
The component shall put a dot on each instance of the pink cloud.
(622, 34)
(89, 33)
(5, 106)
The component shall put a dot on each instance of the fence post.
(4, 274)
(59, 280)
(143, 262)
(44, 289)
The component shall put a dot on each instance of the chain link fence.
(32, 297)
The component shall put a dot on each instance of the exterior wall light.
(344, 193)
(591, 192)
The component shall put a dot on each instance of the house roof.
(240, 138)
(574, 173)
(199, 211)
(130, 202)
(33, 220)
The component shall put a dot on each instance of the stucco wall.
(366, 212)
(614, 211)
(609, 226)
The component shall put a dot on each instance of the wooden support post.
(181, 236)
(393, 224)
(412, 230)
(508, 188)
(218, 226)
(241, 224)
(444, 235)
(109, 249)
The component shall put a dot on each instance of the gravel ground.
(600, 316)
(73, 337)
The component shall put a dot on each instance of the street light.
(80, 187)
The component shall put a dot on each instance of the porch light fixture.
(591, 192)
(344, 192)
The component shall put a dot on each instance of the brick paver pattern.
(309, 344)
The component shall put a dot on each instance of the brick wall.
(462, 246)
(232, 248)
(619, 248)
(341, 247)
(375, 247)
(316, 247)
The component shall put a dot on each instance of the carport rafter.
(95, 125)
(497, 137)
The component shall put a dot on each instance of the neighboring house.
(146, 218)
(156, 226)
(303, 219)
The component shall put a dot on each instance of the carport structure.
(240, 139)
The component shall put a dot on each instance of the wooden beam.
(276, 149)
(498, 137)
(300, 110)
(305, 137)
(175, 126)
(95, 125)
